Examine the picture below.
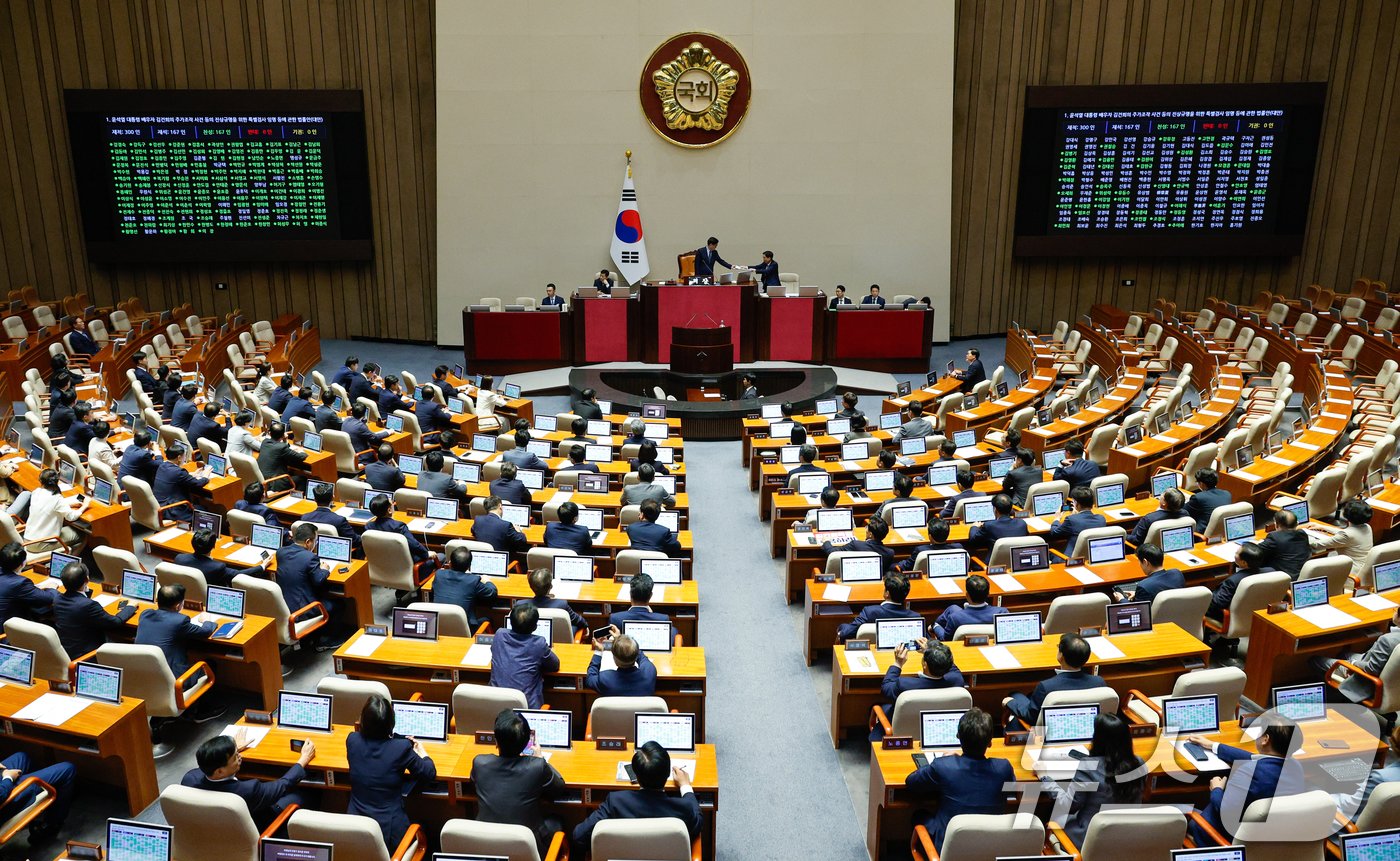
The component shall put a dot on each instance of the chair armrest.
(24, 786)
(1134, 694)
(180, 684)
(281, 821)
(306, 611)
(1211, 832)
(695, 851)
(410, 847)
(1066, 845)
(877, 716)
(921, 844)
(483, 628)
(558, 848)
(1375, 699)
(678, 641)
(175, 505)
(1347, 825)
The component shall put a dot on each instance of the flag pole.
(629, 164)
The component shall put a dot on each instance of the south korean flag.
(629, 249)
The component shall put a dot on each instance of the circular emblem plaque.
(695, 89)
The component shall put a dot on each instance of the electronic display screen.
(835, 520)
(650, 636)
(943, 474)
(1164, 481)
(946, 563)
(96, 682)
(225, 601)
(878, 480)
(908, 516)
(1034, 558)
(1017, 628)
(674, 732)
(138, 585)
(1309, 593)
(489, 563)
(1047, 504)
(297, 710)
(808, 483)
(893, 633)
(576, 568)
(277, 849)
(939, 729)
(226, 175)
(1129, 618)
(1069, 724)
(423, 721)
(1371, 845)
(138, 841)
(663, 572)
(1301, 702)
(978, 509)
(333, 548)
(1239, 526)
(1107, 549)
(861, 569)
(1185, 715)
(1176, 538)
(16, 665)
(548, 728)
(1109, 494)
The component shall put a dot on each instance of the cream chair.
(15, 330)
(1070, 613)
(906, 719)
(196, 587)
(612, 717)
(346, 458)
(1154, 532)
(629, 562)
(355, 837)
(146, 676)
(1284, 828)
(1255, 592)
(410, 500)
(112, 561)
(1185, 607)
(1337, 570)
(1386, 685)
(497, 840)
(982, 837)
(264, 598)
(1382, 810)
(452, 619)
(1226, 683)
(1080, 550)
(51, 660)
(475, 707)
(561, 629)
(350, 696)
(1001, 550)
(1215, 527)
(214, 826)
(351, 491)
(1144, 833)
(654, 839)
(390, 563)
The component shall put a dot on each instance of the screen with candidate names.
(1107, 549)
(939, 729)
(549, 728)
(892, 633)
(224, 601)
(946, 563)
(663, 572)
(1177, 538)
(1185, 715)
(1110, 494)
(420, 720)
(835, 520)
(1069, 724)
(489, 563)
(650, 636)
(912, 516)
(138, 841)
(1011, 628)
(861, 569)
(1164, 481)
(1309, 593)
(578, 569)
(1239, 526)
(1048, 504)
(878, 480)
(1301, 702)
(674, 732)
(978, 510)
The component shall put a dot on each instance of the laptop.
(1110, 494)
(1386, 575)
(297, 710)
(947, 563)
(1188, 715)
(1013, 628)
(941, 474)
(489, 563)
(1164, 481)
(279, 849)
(1309, 593)
(1130, 617)
(1054, 457)
(861, 569)
(96, 682)
(139, 586)
(549, 729)
(674, 732)
(1107, 549)
(1177, 538)
(650, 636)
(1371, 845)
(911, 516)
(997, 467)
(893, 633)
(978, 509)
(880, 479)
(1300, 703)
(1048, 504)
(1239, 526)
(414, 624)
(128, 840)
(835, 520)
(938, 729)
(420, 720)
(16, 665)
(663, 572)
(410, 464)
(1033, 558)
(576, 569)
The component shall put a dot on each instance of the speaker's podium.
(704, 350)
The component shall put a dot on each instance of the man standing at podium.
(767, 271)
(707, 257)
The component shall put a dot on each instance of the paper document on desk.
(850, 466)
(1183, 557)
(1104, 649)
(1007, 583)
(607, 661)
(1071, 420)
(1084, 575)
(106, 599)
(900, 402)
(1281, 461)
(1379, 603)
(567, 589)
(1326, 616)
(364, 646)
(967, 451)
(861, 662)
(248, 555)
(1001, 403)
(251, 734)
(561, 496)
(479, 655)
(1306, 445)
(947, 585)
(166, 535)
(910, 535)
(1211, 763)
(999, 657)
(286, 503)
(1193, 426)
(944, 491)
(1225, 552)
(836, 592)
(1038, 524)
(49, 583)
(52, 709)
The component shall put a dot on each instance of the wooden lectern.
(704, 350)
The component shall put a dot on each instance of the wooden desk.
(1112, 406)
(1167, 648)
(1282, 644)
(929, 395)
(1021, 352)
(110, 525)
(435, 668)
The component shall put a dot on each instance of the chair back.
(323, 528)
(15, 329)
(1001, 551)
(1069, 613)
(1390, 684)
(338, 443)
(209, 825)
(1215, 527)
(474, 707)
(664, 839)
(196, 587)
(410, 499)
(612, 716)
(1145, 833)
(351, 491)
(1105, 698)
(1101, 442)
(390, 563)
(1337, 570)
(51, 660)
(1291, 827)
(1255, 592)
(412, 428)
(264, 598)
(905, 720)
(111, 561)
(146, 676)
(349, 696)
(983, 837)
(543, 557)
(562, 629)
(1080, 550)
(241, 523)
(629, 562)
(452, 619)
(1186, 607)
(357, 837)
(1382, 809)
(1154, 532)
(489, 840)
(144, 508)
(965, 631)
(247, 469)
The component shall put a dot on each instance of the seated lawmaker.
(62, 776)
(1112, 774)
(1207, 497)
(806, 456)
(604, 282)
(521, 455)
(385, 768)
(647, 488)
(1157, 579)
(647, 534)
(79, 432)
(391, 397)
(859, 429)
(382, 520)
(511, 788)
(215, 573)
(183, 411)
(434, 481)
(586, 407)
(99, 449)
(1372, 661)
(277, 456)
(1084, 517)
(646, 453)
(965, 480)
(80, 340)
(767, 271)
(541, 582)
(1269, 774)
(917, 424)
(894, 606)
(1286, 548)
(938, 532)
(361, 437)
(219, 760)
(966, 782)
(323, 495)
(519, 659)
(641, 589)
(1249, 560)
(551, 297)
(1169, 506)
(205, 425)
(1354, 541)
(18, 594)
(937, 673)
(567, 533)
(1072, 654)
(456, 585)
(299, 407)
(508, 487)
(304, 582)
(384, 473)
(1022, 477)
(987, 533)
(652, 765)
(175, 485)
(83, 624)
(874, 542)
(874, 297)
(495, 530)
(432, 417)
(446, 388)
(974, 373)
(576, 462)
(974, 611)
(635, 675)
(903, 495)
(840, 298)
(252, 503)
(1076, 469)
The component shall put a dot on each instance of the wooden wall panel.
(1005, 45)
(383, 47)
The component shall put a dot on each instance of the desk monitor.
(941, 474)
(889, 421)
(1110, 494)
(591, 519)
(978, 509)
(277, 849)
(423, 721)
(1002, 389)
(605, 407)
(410, 464)
(457, 405)
(1073, 406)
(1160, 423)
(1386, 575)
(466, 472)
(441, 508)
(1299, 509)
(650, 636)
(102, 491)
(59, 561)
(663, 572)
(862, 568)
(1069, 724)
(540, 448)
(592, 482)
(598, 453)
(128, 840)
(950, 368)
(549, 729)
(939, 729)
(903, 388)
(835, 520)
(965, 438)
(1309, 593)
(533, 479)
(1107, 549)
(1043, 417)
(512, 391)
(489, 563)
(1132, 435)
(1187, 715)
(138, 585)
(578, 569)
(225, 601)
(947, 563)
(1054, 457)
(36, 454)
(1130, 617)
(811, 483)
(96, 682)
(312, 485)
(1033, 558)
(656, 431)
(910, 516)
(793, 453)
(519, 515)
(826, 407)
(333, 548)
(653, 411)
(414, 624)
(1244, 456)
(1239, 526)
(969, 401)
(998, 467)
(893, 633)
(311, 441)
(1215, 853)
(484, 442)
(771, 411)
(267, 537)
(16, 665)
(297, 710)
(879, 479)
(546, 423)
(913, 445)
(671, 520)
(854, 450)
(780, 430)
(66, 472)
(1177, 538)
(1048, 503)
(395, 425)
(1012, 628)
(372, 495)
(1371, 845)
(599, 427)
(1301, 703)
(838, 427)
(674, 732)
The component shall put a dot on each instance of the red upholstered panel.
(605, 330)
(517, 335)
(676, 306)
(790, 329)
(878, 335)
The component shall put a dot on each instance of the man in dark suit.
(586, 407)
(1207, 497)
(205, 425)
(508, 487)
(384, 473)
(551, 297)
(1084, 517)
(170, 630)
(974, 611)
(541, 582)
(840, 298)
(219, 759)
(299, 407)
(362, 385)
(185, 408)
(303, 581)
(576, 462)
(172, 396)
(938, 532)
(391, 397)
(965, 482)
(641, 589)
(322, 496)
(579, 428)
(148, 383)
(79, 341)
(874, 542)
(938, 673)
(647, 534)
(1024, 474)
(1072, 654)
(974, 373)
(1169, 506)
(521, 455)
(440, 381)
(82, 623)
(434, 482)
(215, 573)
(326, 418)
(175, 484)
(566, 533)
(501, 534)
(511, 788)
(519, 659)
(277, 401)
(61, 415)
(456, 585)
(635, 675)
(79, 432)
(706, 258)
(750, 389)
(1157, 579)
(767, 271)
(1075, 468)
(807, 456)
(987, 533)
(894, 606)
(647, 488)
(346, 375)
(1286, 548)
(652, 765)
(966, 782)
(874, 297)
(278, 457)
(18, 594)
(1270, 774)
(1249, 560)
(252, 503)
(604, 283)
(361, 437)
(139, 460)
(432, 418)
(424, 560)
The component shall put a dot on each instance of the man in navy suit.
(1249, 560)
(434, 482)
(1018, 482)
(874, 297)
(62, 776)
(148, 383)
(1084, 517)
(302, 579)
(641, 589)
(840, 298)
(175, 484)
(205, 425)
(1270, 774)
(347, 373)
(139, 460)
(1075, 468)
(252, 503)
(967, 782)
(1157, 579)
(519, 659)
(432, 418)
(635, 675)
(185, 408)
(767, 271)
(938, 672)
(893, 607)
(509, 488)
(551, 297)
(79, 432)
(541, 582)
(215, 573)
(1169, 506)
(987, 533)
(521, 455)
(424, 560)
(647, 534)
(1072, 654)
(965, 481)
(299, 407)
(440, 380)
(79, 341)
(652, 765)
(391, 397)
(501, 534)
(938, 531)
(326, 418)
(567, 533)
(277, 401)
(874, 542)
(974, 611)
(363, 385)
(171, 397)
(170, 630)
(807, 454)
(455, 584)
(384, 473)
(576, 462)
(219, 760)
(82, 623)
(361, 437)
(322, 496)
(1207, 498)
(512, 788)
(707, 257)
(974, 373)
(1286, 548)
(586, 407)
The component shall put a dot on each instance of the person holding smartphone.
(384, 768)
(635, 675)
(512, 784)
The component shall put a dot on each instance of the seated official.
(859, 429)
(551, 298)
(219, 759)
(299, 407)
(51, 517)
(807, 456)
(1286, 548)
(850, 405)
(391, 397)
(576, 461)
(1158, 578)
(174, 484)
(501, 534)
(635, 675)
(185, 408)
(323, 495)
(1083, 517)
(604, 282)
(326, 417)
(974, 611)
(965, 480)
(894, 606)
(519, 659)
(937, 673)
(1207, 497)
(80, 341)
(647, 488)
(748, 388)
(508, 487)
(1076, 469)
(1355, 540)
(947, 451)
(1270, 774)
(241, 440)
(634, 431)
(974, 373)
(586, 407)
(435, 482)
(938, 531)
(1112, 775)
(99, 450)
(1022, 477)
(917, 424)
(61, 414)
(641, 589)
(173, 384)
(277, 401)
(1006, 525)
(1169, 507)
(171, 631)
(830, 499)
(18, 594)
(511, 788)
(440, 382)
(277, 457)
(1249, 560)
(966, 782)
(384, 473)
(205, 425)
(365, 385)
(62, 776)
(579, 428)
(874, 297)
(252, 503)
(874, 542)
(263, 384)
(521, 455)
(1372, 661)
(839, 298)
(148, 383)
(1073, 654)
(647, 534)
(903, 491)
(382, 520)
(566, 533)
(541, 582)
(303, 581)
(384, 769)
(82, 623)
(456, 585)
(215, 573)
(79, 432)
(767, 271)
(432, 417)
(362, 439)
(652, 765)
(347, 373)
(487, 402)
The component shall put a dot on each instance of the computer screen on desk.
(138, 841)
(1309, 593)
(1054, 458)
(965, 438)
(466, 472)
(278, 849)
(574, 568)
(663, 572)
(1371, 845)
(16, 665)
(1110, 494)
(489, 563)
(838, 427)
(1186, 715)
(1239, 526)
(909, 516)
(96, 682)
(1387, 576)
(835, 520)
(138, 585)
(674, 732)
(946, 563)
(893, 633)
(1012, 628)
(997, 467)
(1107, 549)
(1164, 481)
(1299, 509)
(939, 729)
(650, 636)
(1033, 558)
(861, 569)
(808, 483)
(296, 710)
(1048, 504)
(225, 601)
(978, 509)
(889, 421)
(414, 624)
(1216, 853)
(1177, 538)
(549, 729)
(1301, 703)
(420, 720)
(878, 480)
(1069, 724)
(1130, 617)
(941, 474)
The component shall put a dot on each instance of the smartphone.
(530, 745)
(298, 744)
(603, 633)
(80, 497)
(631, 775)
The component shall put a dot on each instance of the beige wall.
(842, 167)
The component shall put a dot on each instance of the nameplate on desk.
(376, 630)
(611, 743)
(484, 737)
(974, 639)
(857, 645)
(897, 742)
(1016, 738)
(258, 716)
